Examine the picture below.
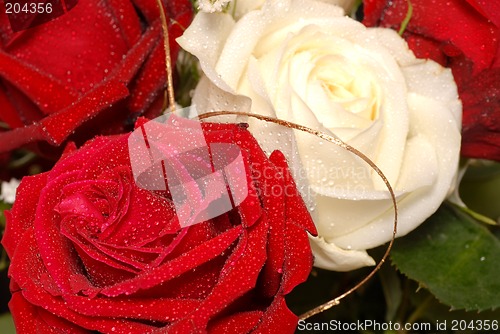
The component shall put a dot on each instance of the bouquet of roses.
(306, 135)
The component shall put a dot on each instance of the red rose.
(91, 251)
(465, 36)
(91, 71)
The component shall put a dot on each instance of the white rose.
(305, 62)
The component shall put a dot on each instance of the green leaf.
(7, 324)
(391, 286)
(480, 188)
(455, 258)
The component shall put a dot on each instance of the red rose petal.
(238, 275)
(55, 250)
(26, 262)
(47, 93)
(58, 126)
(298, 257)
(426, 48)
(79, 48)
(273, 193)
(277, 319)
(31, 319)
(9, 114)
(481, 122)
(23, 211)
(24, 315)
(452, 21)
(237, 323)
(149, 81)
(171, 269)
(152, 309)
(128, 22)
(489, 9)
(295, 206)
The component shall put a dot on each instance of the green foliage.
(6, 324)
(455, 258)
(480, 188)
(189, 75)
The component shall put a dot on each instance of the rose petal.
(23, 211)
(171, 269)
(238, 323)
(442, 23)
(32, 319)
(152, 309)
(277, 319)
(238, 276)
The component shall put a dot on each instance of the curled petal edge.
(330, 256)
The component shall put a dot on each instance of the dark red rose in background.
(465, 36)
(90, 251)
(91, 71)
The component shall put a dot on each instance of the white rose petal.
(8, 191)
(306, 62)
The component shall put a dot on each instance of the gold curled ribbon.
(168, 61)
(338, 142)
(290, 125)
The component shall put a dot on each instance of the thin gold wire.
(338, 142)
(324, 136)
(168, 61)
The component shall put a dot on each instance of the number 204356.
(28, 8)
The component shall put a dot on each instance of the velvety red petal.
(24, 314)
(149, 82)
(27, 269)
(296, 209)
(85, 155)
(55, 250)
(481, 121)
(152, 309)
(15, 138)
(238, 275)
(127, 20)
(171, 269)
(31, 319)
(9, 114)
(273, 192)
(450, 21)
(22, 215)
(426, 48)
(81, 47)
(58, 127)
(48, 93)
(373, 11)
(251, 208)
(298, 257)
(277, 319)
(238, 323)
(489, 9)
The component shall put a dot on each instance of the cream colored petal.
(437, 123)
(329, 256)
(205, 39)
